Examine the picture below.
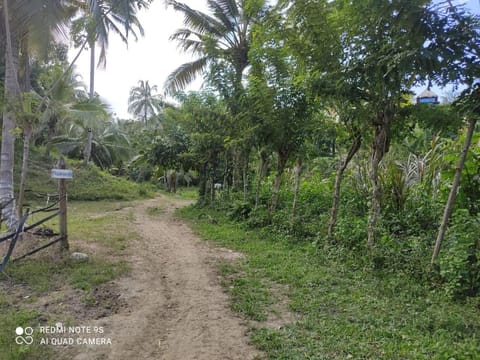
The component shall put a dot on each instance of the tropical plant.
(143, 102)
(388, 48)
(221, 38)
(98, 19)
(26, 24)
(110, 148)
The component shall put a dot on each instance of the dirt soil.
(173, 306)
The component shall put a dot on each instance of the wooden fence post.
(62, 193)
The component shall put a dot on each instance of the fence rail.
(23, 228)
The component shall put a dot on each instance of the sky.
(153, 57)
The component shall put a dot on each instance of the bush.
(459, 262)
(259, 218)
(240, 210)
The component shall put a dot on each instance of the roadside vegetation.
(77, 291)
(355, 200)
(345, 304)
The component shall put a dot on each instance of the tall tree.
(23, 21)
(388, 48)
(143, 102)
(220, 41)
(99, 18)
(468, 104)
(223, 37)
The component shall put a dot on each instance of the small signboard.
(62, 174)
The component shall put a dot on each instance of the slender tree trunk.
(282, 162)
(357, 141)
(87, 152)
(296, 191)
(12, 95)
(88, 146)
(453, 191)
(27, 136)
(246, 161)
(225, 173)
(379, 149)
(212, 185)
(235, 170)
(27, 130)
(262, 169)
(92, 69)
(202, 184)
(50, 134)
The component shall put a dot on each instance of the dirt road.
(176, 308)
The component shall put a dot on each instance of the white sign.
(62, 174)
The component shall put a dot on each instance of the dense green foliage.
(334, 181)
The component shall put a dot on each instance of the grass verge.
(345, 310)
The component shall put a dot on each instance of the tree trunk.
(379, 149)
(212, 180)
(282, 161)
(235, 170)
(27, 136)
(453, 191)
(87, 152)
(27, 131)
(357, 141)
(92, 69)
(202, 184)
(245, 175)
(172, 181)
(12, 95)
(262, 169)
(225, 173)
(296, 191)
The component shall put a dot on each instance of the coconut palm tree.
(109, 148)
(99, 18)
(143, 102)
(222, 37)
(25, 23)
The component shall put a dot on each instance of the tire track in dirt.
(177, 309)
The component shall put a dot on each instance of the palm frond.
(226, 11)
(198, 21)
(184, 75)
(187, 45)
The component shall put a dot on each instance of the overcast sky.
(151, 58)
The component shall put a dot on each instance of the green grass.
(45, 276)
(100, 229)
(89, 183)
(10, 318)
(187, 192)
(345, 309)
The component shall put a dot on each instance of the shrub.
(459, 262)
(240, 210)
(259, 217)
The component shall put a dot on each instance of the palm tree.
(223, 37)
(111, 146)
(24, 22)
(99, 18)
(143, 102)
